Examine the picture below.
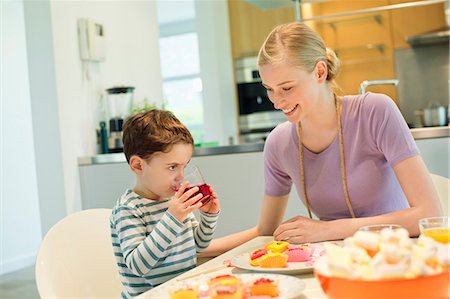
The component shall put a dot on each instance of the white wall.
(132, 58)
(50, 111)
(20, 230)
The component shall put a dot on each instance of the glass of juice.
(437, 228)
(195, 178)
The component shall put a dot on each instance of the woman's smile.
(290, 111)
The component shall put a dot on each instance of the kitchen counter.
(237, 174)
(418, 134)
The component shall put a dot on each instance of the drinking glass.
(437, 228)
(195, 178)
(376, 228)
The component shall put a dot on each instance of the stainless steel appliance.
(119, 103)
(257, 116)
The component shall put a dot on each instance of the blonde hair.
(301, 47)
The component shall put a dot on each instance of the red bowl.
(430, 287)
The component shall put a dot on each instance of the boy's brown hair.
(153, 131)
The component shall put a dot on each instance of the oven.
(257, 116)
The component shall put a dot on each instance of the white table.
(312, 290)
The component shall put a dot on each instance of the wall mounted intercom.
(91, 38)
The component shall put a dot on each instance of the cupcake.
(301, 253)
(226, 279)
(226, 291)
(256, 255)
(184, 293)
(278, 246)
(273, 260)
(264, 287)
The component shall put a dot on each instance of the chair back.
(442, 185)
(76, 258)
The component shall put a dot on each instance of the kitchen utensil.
(119, 103)
(434, 115)
(103, 137)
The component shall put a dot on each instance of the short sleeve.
(388, 128)
(276, 180)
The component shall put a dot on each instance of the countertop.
(418, 134)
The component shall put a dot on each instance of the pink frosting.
(299, 254)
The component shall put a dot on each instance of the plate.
(289, 287)
(242, 261)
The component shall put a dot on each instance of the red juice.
(204, 190)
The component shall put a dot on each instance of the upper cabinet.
(415, 20)
(250, 25)
(365, 43)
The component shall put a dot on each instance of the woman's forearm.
(408, 218)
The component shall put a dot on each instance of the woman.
(351, 158)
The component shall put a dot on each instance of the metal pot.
(434, 115)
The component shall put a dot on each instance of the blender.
(119, 102)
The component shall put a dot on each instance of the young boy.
(154, 233)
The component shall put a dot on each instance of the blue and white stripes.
(151, 246)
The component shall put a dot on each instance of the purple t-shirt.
(375, 137)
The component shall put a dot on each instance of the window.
(180, 67)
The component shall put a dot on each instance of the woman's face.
(163, 173)
(290, 89)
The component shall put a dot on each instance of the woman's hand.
(181, 205)
(213, 206)
(301, 229)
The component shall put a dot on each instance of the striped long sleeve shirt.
(151, 246)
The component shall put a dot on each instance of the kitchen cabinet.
(415, 20)
(362, 42)
(365, 43)
(250, 25)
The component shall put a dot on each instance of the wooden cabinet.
(415, 20)
(365, 43)
(249, 26)
(362, 42)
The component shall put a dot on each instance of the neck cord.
(341, 152)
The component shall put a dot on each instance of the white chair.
(76, 259)
(442, 185)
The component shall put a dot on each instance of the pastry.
(255, 256)
(300, 253)
(264, 286)
(226, 291)
(226, 279)
(278, 246)
(184, 293)
(273, 260)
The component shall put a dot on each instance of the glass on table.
(376, 228)
(195, 178)
(437, 228)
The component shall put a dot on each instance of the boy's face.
(163, 173)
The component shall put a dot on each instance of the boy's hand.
(213, 206)
(181, 205)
